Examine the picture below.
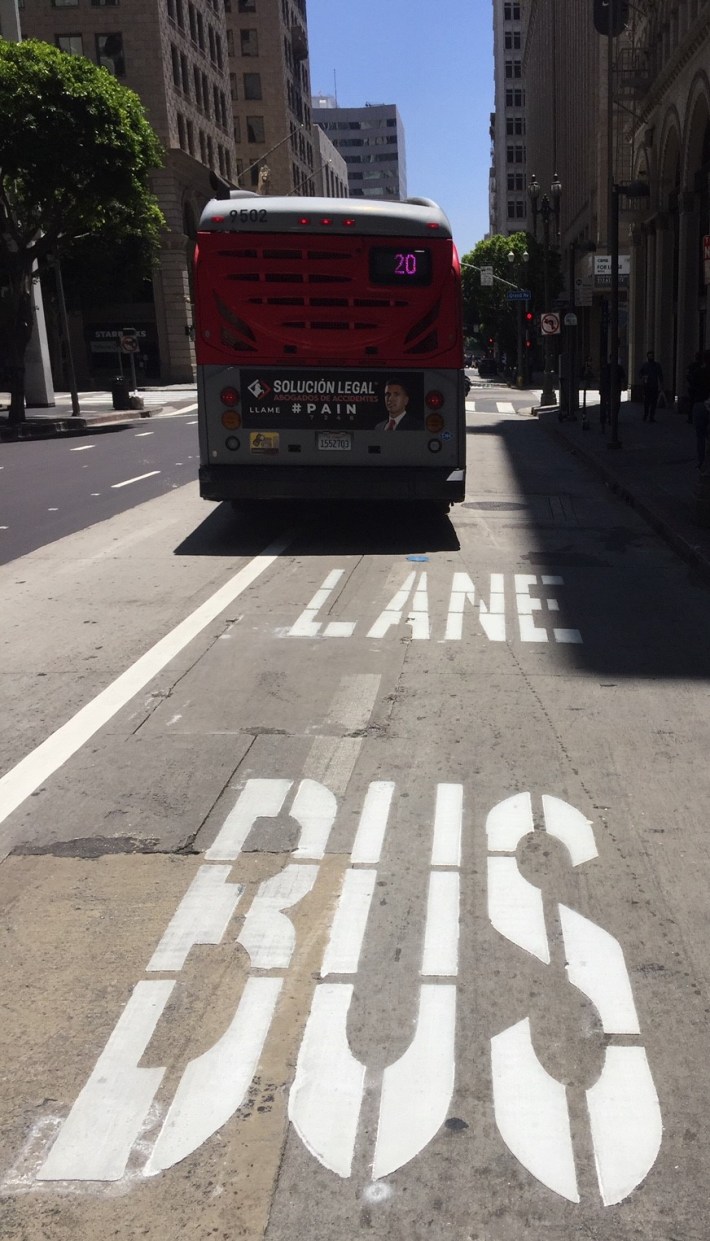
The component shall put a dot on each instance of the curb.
(52, 428)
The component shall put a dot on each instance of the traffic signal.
(610, 16)
(529, 317)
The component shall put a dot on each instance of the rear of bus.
(329, 350)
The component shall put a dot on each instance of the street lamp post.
(576, 247)
(634, 189)
(546, 208)
(524, 258)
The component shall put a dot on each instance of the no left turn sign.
(550, 324)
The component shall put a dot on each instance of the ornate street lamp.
(546, 207)
(520, 267)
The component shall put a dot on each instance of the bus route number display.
(392, 265)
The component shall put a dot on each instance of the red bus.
(322, 327)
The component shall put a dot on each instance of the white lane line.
(139, 435)
(188, 409)
(52, 510)
(505, 407)
(42, 762)
(82, 448)
(192, 423)
(138, 479)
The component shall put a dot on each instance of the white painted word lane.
(527, 597)
(107, 1124)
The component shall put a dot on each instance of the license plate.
(335, 441)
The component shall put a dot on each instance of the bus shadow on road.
(323, 529)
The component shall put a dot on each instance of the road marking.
(138, 479)
(82, 448)
(413, 591)
(531, 1107)
(192, 423)
(42, 762)
(188, 410)
(142, 434)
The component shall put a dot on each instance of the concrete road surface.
(355, 870)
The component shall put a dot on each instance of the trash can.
(120, 392)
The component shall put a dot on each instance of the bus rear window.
(400, 265)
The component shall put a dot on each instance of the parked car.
(487, 367)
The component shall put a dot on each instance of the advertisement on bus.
(357, 399)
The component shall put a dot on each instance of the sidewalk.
(96, 410)
(654, 470)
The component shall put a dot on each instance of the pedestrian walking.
(651, 377)
(701, 407)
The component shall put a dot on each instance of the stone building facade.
(271, 107)
(173, 53)
(651, 129)
(508, 200)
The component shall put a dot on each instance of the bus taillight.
(434, 423)
(229, 396)
(231, 419)
(434, 399)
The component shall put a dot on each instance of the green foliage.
(76, 150)
(489, 307)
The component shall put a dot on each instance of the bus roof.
(244, 212)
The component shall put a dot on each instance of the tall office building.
(371, 141)
(508, 202)
(173, 53)
(269, 75)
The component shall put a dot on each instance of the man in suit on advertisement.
(399, 416)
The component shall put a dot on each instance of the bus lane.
(383, 952)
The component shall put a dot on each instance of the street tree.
(76, 152)
(489, 307)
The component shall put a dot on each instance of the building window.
(65, 4)
(192, 21)
(511, 12)
(252, 85)
(171, 9)
(237, 130)
(184, 74)
(512, 40)
(255, 129)
(249, 42)
(181, 130)
(233, 85)
(190, 138)
(198, 85)
(230, 42)
(71, 43)
(179, 14)
(175, 56)
(105, 4)
(246, 6)
(109, 54)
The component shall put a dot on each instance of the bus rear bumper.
(233, 482)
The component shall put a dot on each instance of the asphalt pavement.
(654, 469)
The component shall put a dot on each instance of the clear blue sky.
(434, 60)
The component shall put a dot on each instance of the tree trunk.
(16, 322)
